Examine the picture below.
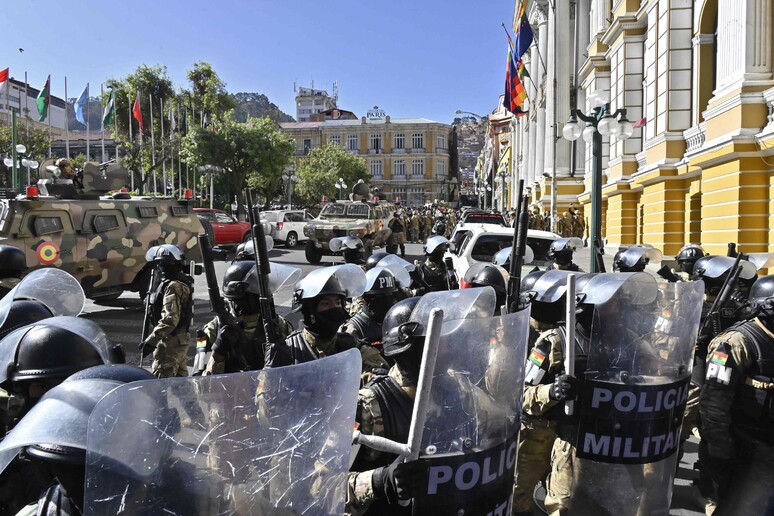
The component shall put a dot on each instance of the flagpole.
(88, 126)
(163, 154)
(102, 123)
(179, 163)
(49, 116)
(153, 145)
(131, 142)
(67, 126)
(26, 106)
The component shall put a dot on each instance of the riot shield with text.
(468, 450)
(266, 442)
(634, 393)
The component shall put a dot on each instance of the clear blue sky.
(413, 58)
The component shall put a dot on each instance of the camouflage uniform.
(537, 433)
(170, 332)
(428, 226)
(360, 493)
(250, 323)
(736, 423)
(6, 284)
(414, 228)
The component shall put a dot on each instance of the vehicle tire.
(291, 240)
(368, 248)
(207, 227)
(108, 298)
(248, 237)
(313, 255)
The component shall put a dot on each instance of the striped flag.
(44, 99)
(110, 110)
(4, 80)
(515, 93)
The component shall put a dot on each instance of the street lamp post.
(211, 170)
(599, 122)
(502, 179)
(16, 161)
(340, 184)
(290, 177)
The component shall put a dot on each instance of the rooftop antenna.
(294, 87)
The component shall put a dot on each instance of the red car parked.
(228, 230)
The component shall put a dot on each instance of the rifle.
(234, 357)
(518, 249)
(265, 295)
(452, 282)
(146, 322)
(599, 252)
(711, 325)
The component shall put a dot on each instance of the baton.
(569, 348)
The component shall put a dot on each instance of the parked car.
(481, 217)
(288, 225)
(482, 241)
(228, 231)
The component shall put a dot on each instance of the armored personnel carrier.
(363, 216)
(90, 226)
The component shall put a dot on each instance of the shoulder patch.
(720, 366)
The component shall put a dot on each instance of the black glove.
(565, 387)
(397, 482)
(146, 349)
(227, 340)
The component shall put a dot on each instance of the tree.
(257, 105)
(318, 172)
(208, 92)
(254, 154)
(35, 139)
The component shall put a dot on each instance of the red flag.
(4, 80)
(639, 123)
(137, 112)
(515, 94)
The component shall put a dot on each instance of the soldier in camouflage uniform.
(384, 409)
(736, 409)
(171, 307)
(12, 265)
(432, 275)
(241, 290)
(544, 365)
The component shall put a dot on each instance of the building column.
(541, 49)
(744, 43)
(558, 91)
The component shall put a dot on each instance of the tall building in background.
(310, 101)
(22, 100)
(697, 81)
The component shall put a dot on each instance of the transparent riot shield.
(56, 289)
(274, 442)
(470, 436)
(634, 393)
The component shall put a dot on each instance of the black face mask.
(437, 256)
(327, 323)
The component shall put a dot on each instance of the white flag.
(172, 122)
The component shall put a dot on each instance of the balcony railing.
(695, 137)
(375, 151)
(353, 151)
(441, 150)
(417, 150)
(399, 151)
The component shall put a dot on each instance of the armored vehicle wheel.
(313, 255)
(291, 240)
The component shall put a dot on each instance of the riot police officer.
(351, 249)
(432, 274)
(374, 259)
(736, 409)
(687, 257)
(12, 265)
(321, 297)
(560, 252)
(380, 295)
(487, 274)
(384, 409)
(634, 258)
(246, 339)
(171, 312)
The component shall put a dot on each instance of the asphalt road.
(122, 321)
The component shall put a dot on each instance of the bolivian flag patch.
(537, 358)
(201, 343)
(718, 357)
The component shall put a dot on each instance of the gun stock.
(668, 274)
(146, 322)
(518, 250)
(265, 295)
(712, 321)
(218, 304)
(599, 253)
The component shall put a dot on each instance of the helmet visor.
(350, 276)
(638, 288)
(55, 288)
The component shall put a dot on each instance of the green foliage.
(257, 105)
(35, 139)
(319, 172)
(208, 91)
(252, 154)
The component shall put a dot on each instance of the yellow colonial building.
(408, 158)
(697, 80)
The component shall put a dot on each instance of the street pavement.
(122, 321)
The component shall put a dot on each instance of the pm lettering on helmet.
(386, 282)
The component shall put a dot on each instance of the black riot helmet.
(51, 353)
(528, 281)
(169, 258)
(23, 312)
(380, 282)
(123, 373)
(713, 270)
(762, 300)
(372, 260)
(12, 261)
(548, 295)
(634, 258)
(235, 285)
(688, 255)
(399, 335)
(561, 249)
(484, 274)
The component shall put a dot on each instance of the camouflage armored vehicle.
(91, 227)
(364, 219)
